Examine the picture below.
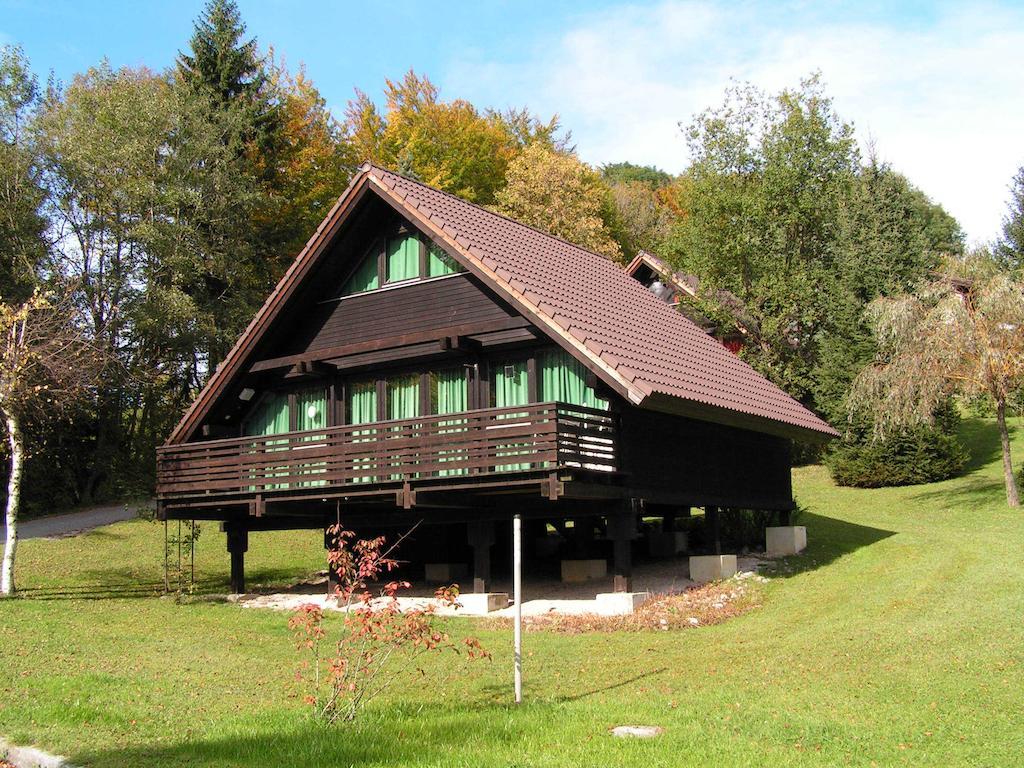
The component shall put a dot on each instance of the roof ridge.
(577, 246)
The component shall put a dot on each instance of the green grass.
(896, 639)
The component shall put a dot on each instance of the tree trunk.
(13, 498)
(1011, 482)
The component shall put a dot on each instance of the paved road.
(73, 522)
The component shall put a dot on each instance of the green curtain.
(450, 395)
(564, 379)
(404, 397)
(365, 277)
(440, 263)
(311, 407)
(361, 407)
(403, 402)
(403, 258)
(271, 417)
(510, 387)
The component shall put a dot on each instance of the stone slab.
(705, 568)
(482, 603)
(667, 543)
(784, 540)
(620, 603)
(576, 571)
(30, 757)
(444, 573)
(637, 731)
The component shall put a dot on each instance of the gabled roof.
(689, 285)
(637, 344)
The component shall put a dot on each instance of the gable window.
(402, 258)
(439, 263)
(365, 277)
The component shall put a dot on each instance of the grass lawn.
(897, 638)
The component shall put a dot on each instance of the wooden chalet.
(424, 360)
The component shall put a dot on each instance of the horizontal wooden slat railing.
(495, 440)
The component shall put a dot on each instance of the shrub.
(922, 454)
(738, 529)
(378, 641)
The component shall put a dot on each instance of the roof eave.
(677, 406)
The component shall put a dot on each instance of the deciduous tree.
(959, 334)
(47, 362)
(557, 193)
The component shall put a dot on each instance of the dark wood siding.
(705, 463)
(418, 307)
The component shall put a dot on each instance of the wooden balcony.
(494, 446)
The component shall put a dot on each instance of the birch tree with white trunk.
(48, 365)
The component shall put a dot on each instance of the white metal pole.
(517, 602)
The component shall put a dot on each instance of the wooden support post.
(621, 526)
(481, 539)
(668, 522)
(785, 517)
(238, 545)
(713, 518)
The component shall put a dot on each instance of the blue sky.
(935, 88)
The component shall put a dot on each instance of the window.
(564, 379)
(403, 259)
(269, 417)
(365, 278)
(403, 397)
(440, 263)
(449, 392)
(509, 384)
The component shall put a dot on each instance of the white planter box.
(620, 603)
(785, 540)
(705, 568)
(482, 603)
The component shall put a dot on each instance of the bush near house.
(913, 455)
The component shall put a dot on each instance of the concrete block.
(444, 573)
(667, 543)
(576, 571)
(620, 603)
(785, 540)
(705, 568)
(482, 603)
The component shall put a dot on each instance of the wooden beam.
(389, 342)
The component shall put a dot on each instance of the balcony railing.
(451, 449)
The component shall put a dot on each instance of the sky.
(935, 89)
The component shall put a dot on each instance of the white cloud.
(939, 96)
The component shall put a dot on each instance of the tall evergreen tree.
(221, 62)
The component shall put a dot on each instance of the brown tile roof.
(654, 353)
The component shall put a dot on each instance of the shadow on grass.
(428, 734)
(118, 584)
(829, 539)
(981, 439)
